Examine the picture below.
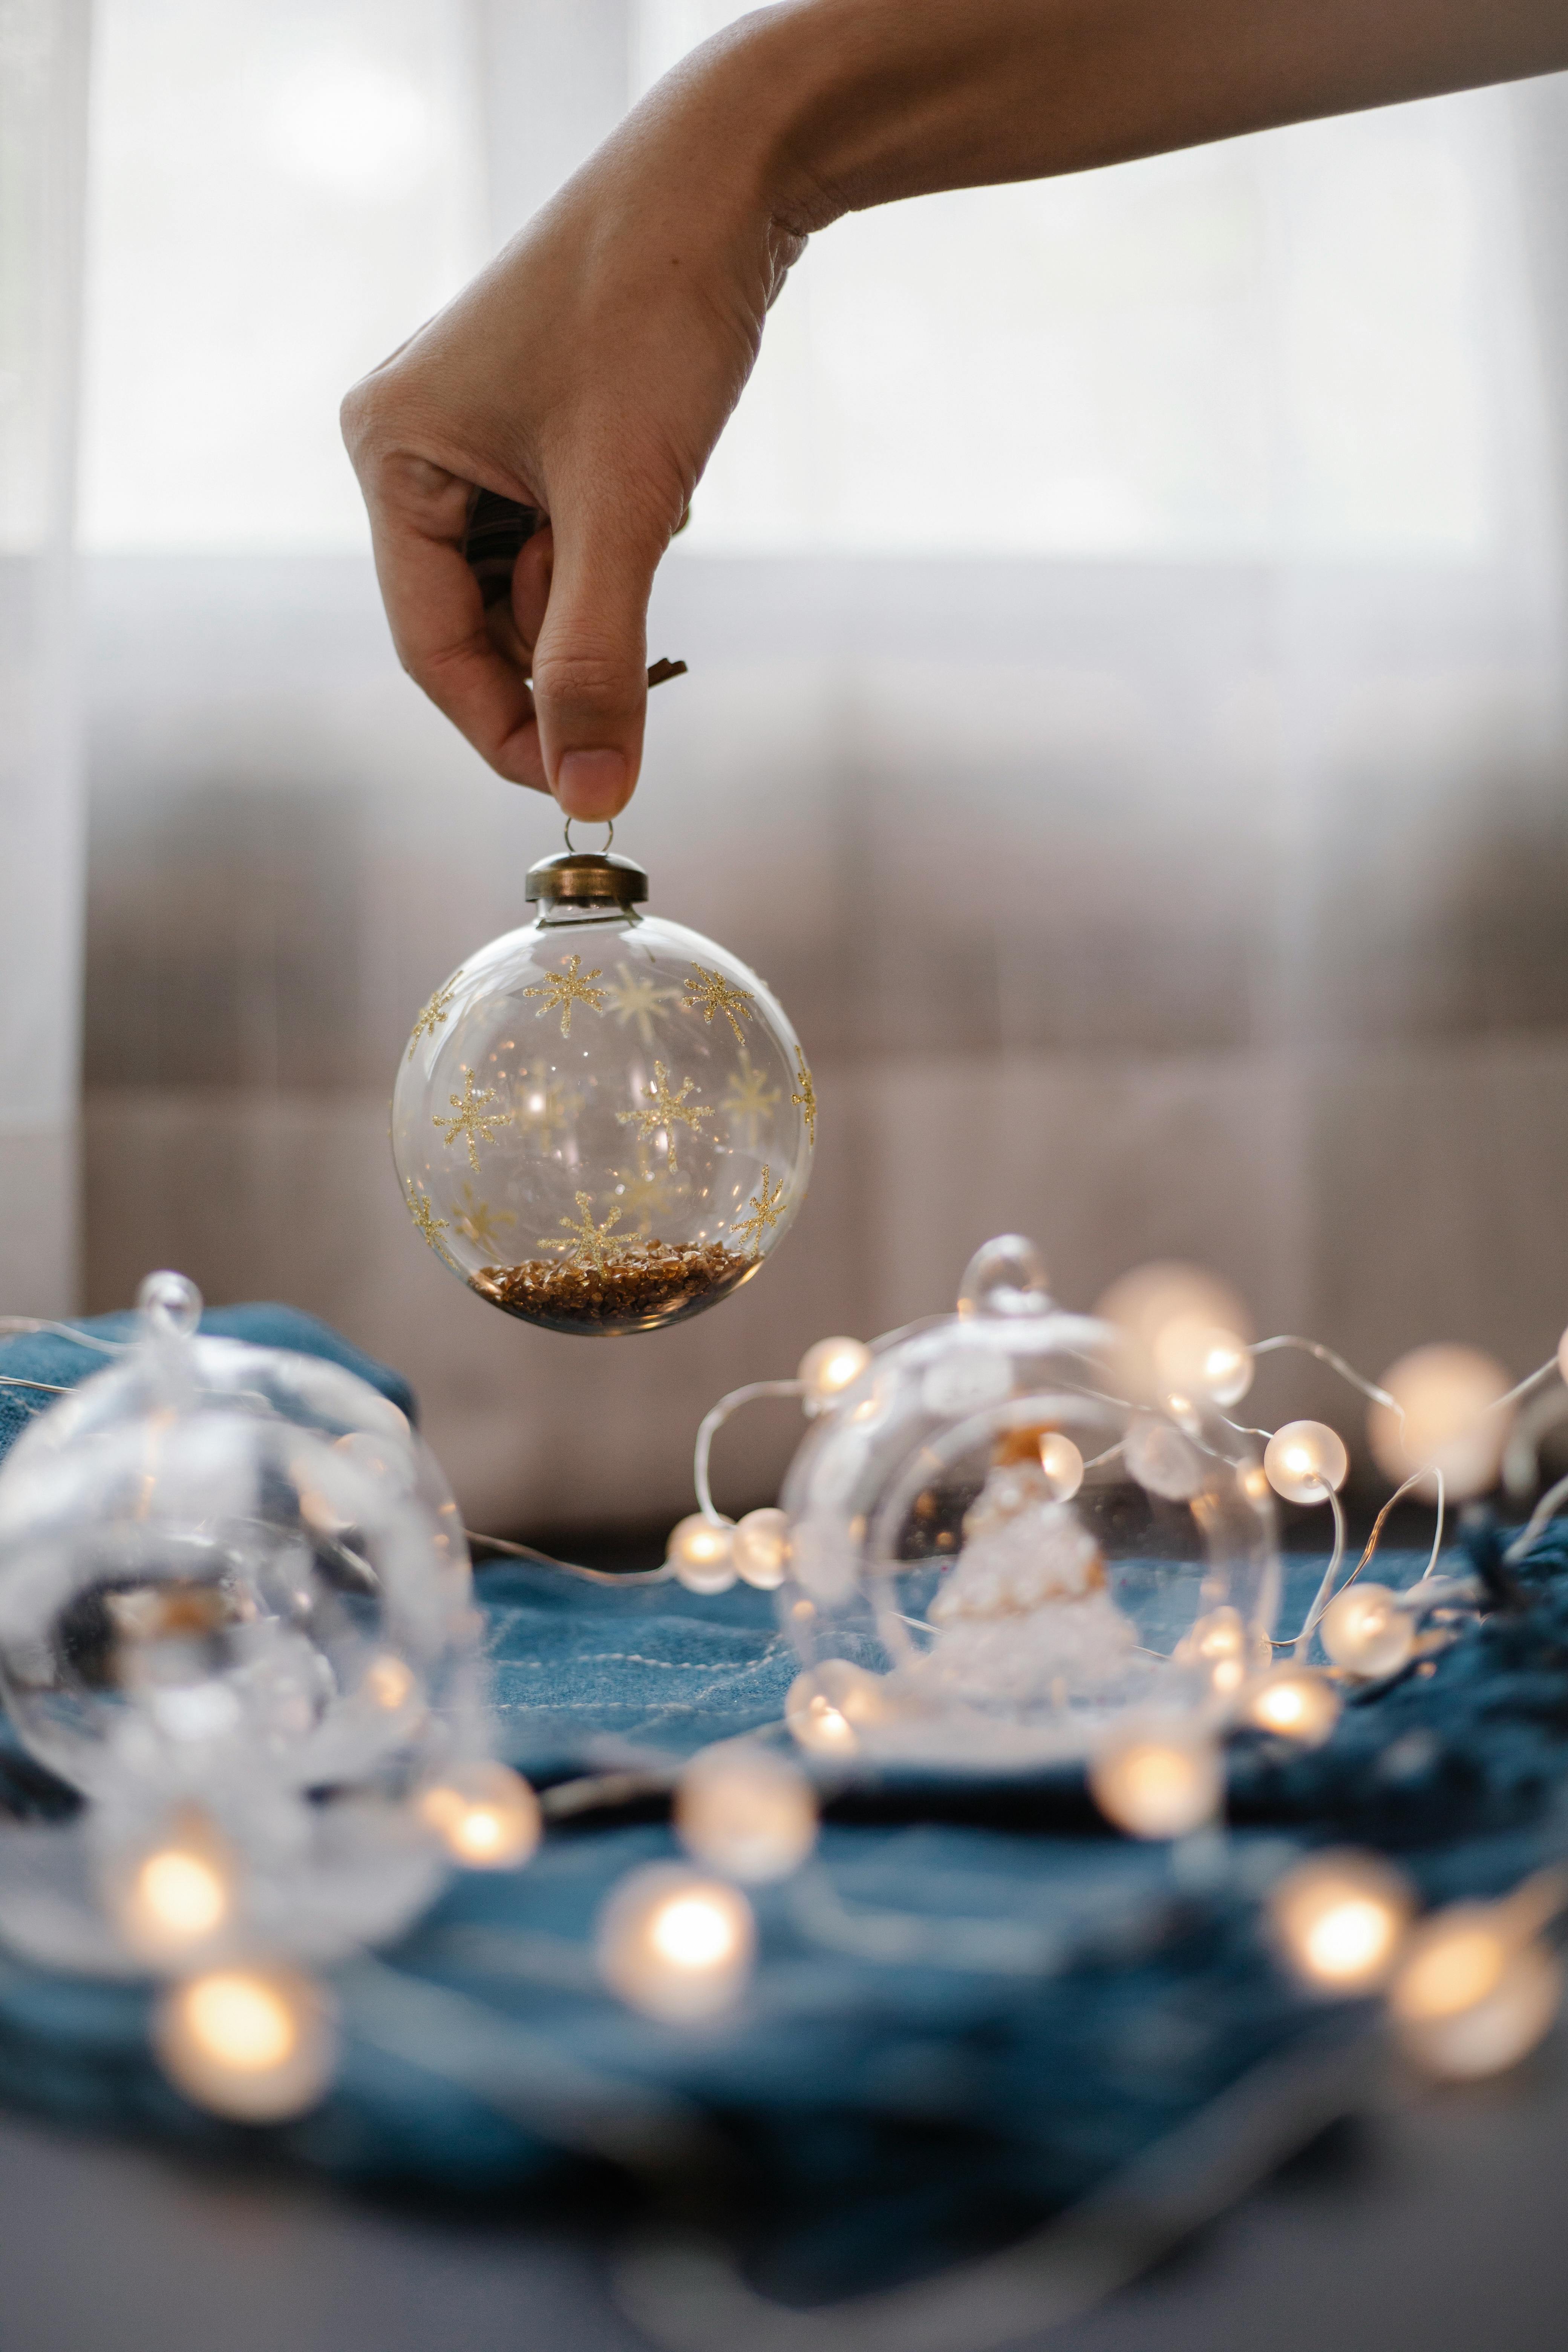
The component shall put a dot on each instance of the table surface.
(1439, 2225)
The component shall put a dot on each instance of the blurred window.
(1272, 346)
(1277, 346)
(279, 192)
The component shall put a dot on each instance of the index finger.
(418, 515)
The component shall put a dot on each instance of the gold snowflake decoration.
(585, 1243)
(749, 1102)
(542, 1105)
(477, 1220)
(473, 1122)
(766, 1208)
(434, 1013)
(709, 992)
(663, 1109)
(806, 1098)
(563, 989)
(422, 1209)
(637, 996)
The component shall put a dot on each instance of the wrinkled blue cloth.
(969, 2007)
(50, 1357)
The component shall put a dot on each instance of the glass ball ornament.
(602, 1122)
(230, 1574)
(1009, 1538)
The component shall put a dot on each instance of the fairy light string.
(679, 1941)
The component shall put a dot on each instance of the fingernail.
(591, 783)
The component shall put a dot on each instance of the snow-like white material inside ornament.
(1026, 1605)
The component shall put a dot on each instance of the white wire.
(1326, 1589)
(571, 1567)
(25, 1323)
(1537, 1520)
(713, 1422)
(1337, 1362)
(1437, 1538)
(1521, 1456)
(1523, 1388)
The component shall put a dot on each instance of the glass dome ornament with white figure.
(226, 1563)
(602, 1122)
(1005, 1535)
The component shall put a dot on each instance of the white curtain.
(43, 96)
(1125, 723)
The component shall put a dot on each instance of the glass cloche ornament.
(1001, 1538)
(227, 1571)
(602, 1122)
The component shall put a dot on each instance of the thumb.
(589, 662)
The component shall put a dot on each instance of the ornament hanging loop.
(609, 825)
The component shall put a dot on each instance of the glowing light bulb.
(759, 1545)
(1339, 1920)
(828, 1707)
(183, 1891)
(1163, 1462)
(486, 1815)
(700, 1552)
(1203, 1359)
(1448, 1397)
(257, 2044)
(745, 1811)
(390, 1683)
(1226, 1372)
(674, 1945)
(830, 1367)
(1158, 1778)
(1305, 1461)
(1176, 1322)
(1062, 1464)
(1223, 1648)
(1295, 1703)
(1471, 1997)
(175, 1895)
(1365, 1631)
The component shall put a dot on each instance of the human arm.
(590, 369)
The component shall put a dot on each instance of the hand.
(591, 369)
(587, 372)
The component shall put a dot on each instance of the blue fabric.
(972, 2006)
(50, 1356)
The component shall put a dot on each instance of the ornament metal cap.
(586, 878)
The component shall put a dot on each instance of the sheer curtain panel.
(43, 106)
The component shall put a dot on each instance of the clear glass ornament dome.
(602, 1122)
(229, 1566)
(1000, 1541)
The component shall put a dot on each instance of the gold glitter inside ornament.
(602, 1122)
